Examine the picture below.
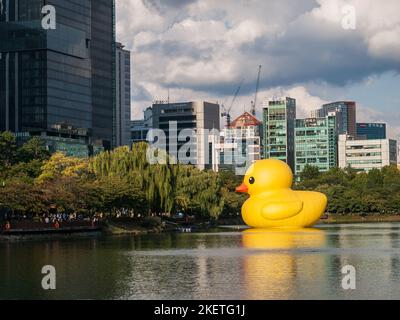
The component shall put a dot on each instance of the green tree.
(34, 149)
(8, 150)
(309, 173)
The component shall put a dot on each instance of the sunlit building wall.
(316, 143)
(279, 117)
(365, 155)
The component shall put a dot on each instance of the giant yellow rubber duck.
(272, 202)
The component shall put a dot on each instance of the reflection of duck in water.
(272, 203)
(274, 270)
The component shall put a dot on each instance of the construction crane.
(227, 111)
(254, 103)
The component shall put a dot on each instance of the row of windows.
(312, 160)
(184, 110)
(364, 162)
(278, 149)
(280, 126)
(277, 154)
(364, 154)
(303, 133)
(376, 146)
(311, 153)
(321, 167)
(311, 147)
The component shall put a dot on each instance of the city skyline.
(202, 50)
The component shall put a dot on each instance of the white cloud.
(202, 49)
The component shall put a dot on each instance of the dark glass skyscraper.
(346, 116)
(59, 83)
(371, 131)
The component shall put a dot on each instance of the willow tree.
(199, 192)
(156, 180)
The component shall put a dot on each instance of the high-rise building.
(346, 117)
(365, 155)
(241, 143)
(123, 103)
(102, 49)
(192, 127)
(371, 131)
(279, 117)
(316, 143)
(58, 83)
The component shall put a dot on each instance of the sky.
(315, 51)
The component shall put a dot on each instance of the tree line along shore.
(121, 184)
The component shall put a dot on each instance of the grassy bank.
(134, 227)
(335, 219)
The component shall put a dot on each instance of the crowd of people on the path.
(49, 218)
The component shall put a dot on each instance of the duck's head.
(266, 175)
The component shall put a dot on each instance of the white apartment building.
(365, 155)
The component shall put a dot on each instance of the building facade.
(316, 143)
(139, 131)
(58, 83)
(241, 144)
(371, 131)
(123, 96)
(346, 116)
(190, 131)
(365, 155)
(140, 128)
(279, 116)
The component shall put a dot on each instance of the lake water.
(302, 264)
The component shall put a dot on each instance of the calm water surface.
(302, 264)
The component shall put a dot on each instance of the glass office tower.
(279, 120)
(346, 116)
(316, 143)
(50, 79)
(103, 52)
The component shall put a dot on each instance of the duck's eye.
(252, 180)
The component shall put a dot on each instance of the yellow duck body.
(272, 202)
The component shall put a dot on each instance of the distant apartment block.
(138, 131)
(190, 124)
(346, 116)
(371, 131)
(365, 155)
(122, 136)
(279, 116)
(140, 128)
(241, 143)
(316, 143)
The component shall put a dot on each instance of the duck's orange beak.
(242, 188)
